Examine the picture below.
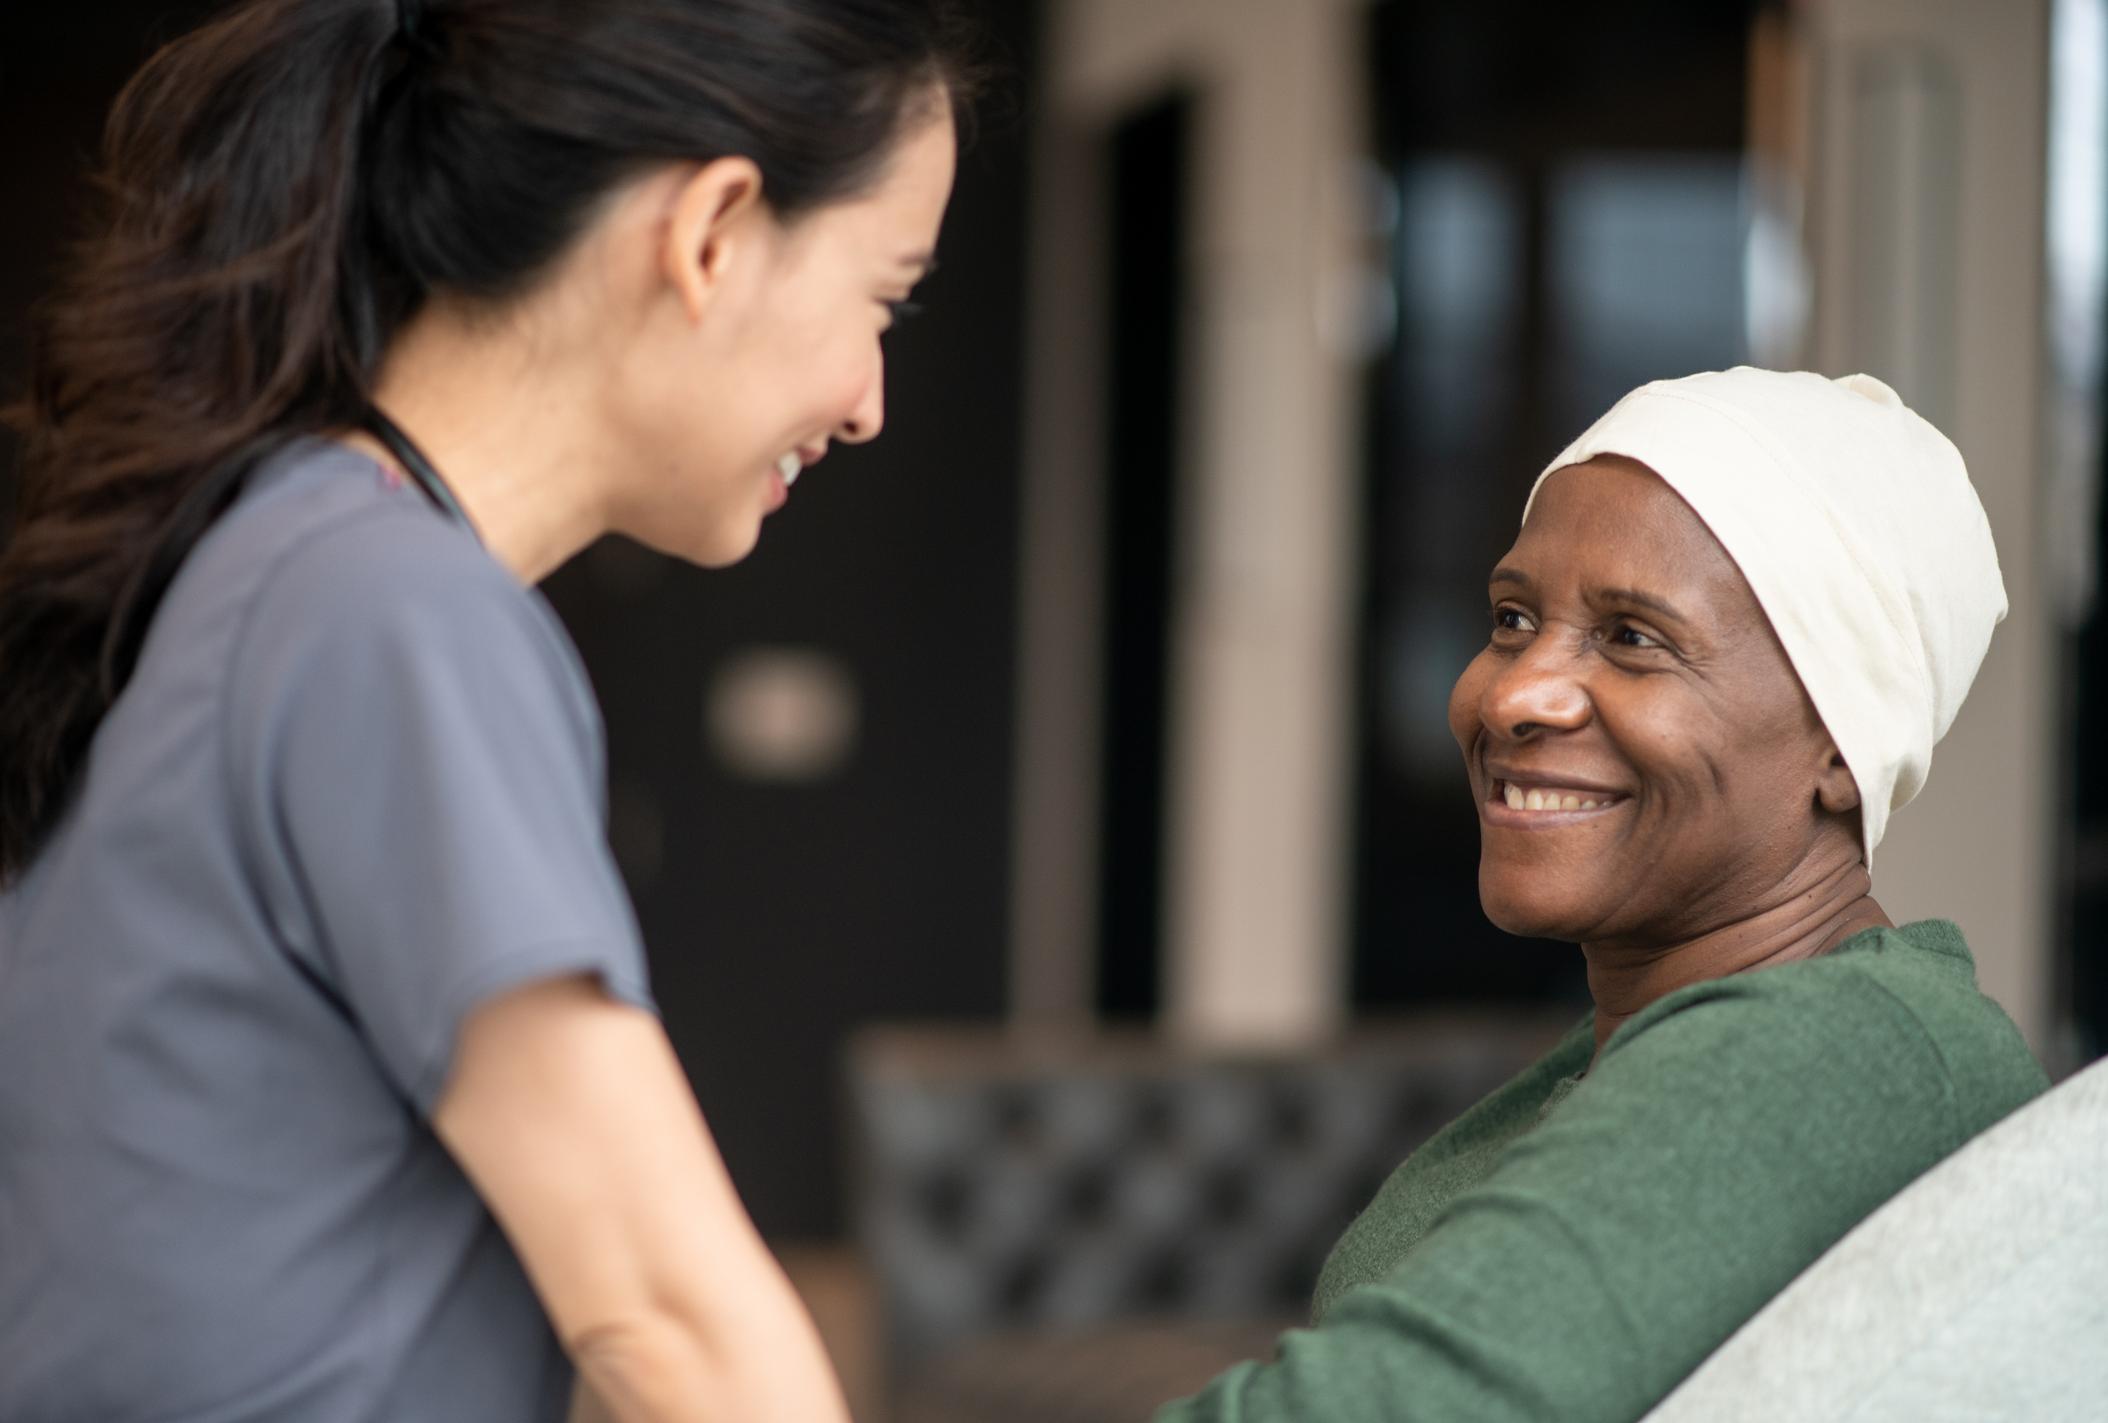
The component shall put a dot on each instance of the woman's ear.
(1836, 789)
(717, 221)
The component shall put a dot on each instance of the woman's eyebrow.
(1525, 584)
(1642, 599)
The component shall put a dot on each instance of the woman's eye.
(1626, 635)
(1512, 620)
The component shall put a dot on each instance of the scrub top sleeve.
(421, 759)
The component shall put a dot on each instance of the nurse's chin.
(718, 546)
(726, 552)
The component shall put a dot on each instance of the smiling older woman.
(1741, 610)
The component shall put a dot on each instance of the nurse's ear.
(717, 225)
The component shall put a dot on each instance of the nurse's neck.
(1828, 900)
(504, 413)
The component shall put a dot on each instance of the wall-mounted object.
(782, 714)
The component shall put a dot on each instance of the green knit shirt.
(1575, 1244)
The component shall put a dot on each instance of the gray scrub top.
(354, 789)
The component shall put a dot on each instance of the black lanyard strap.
(420, 469)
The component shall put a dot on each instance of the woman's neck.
(507, 432)
(1813, 913)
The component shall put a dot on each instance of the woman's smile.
(1545, 804)
(1633, 712)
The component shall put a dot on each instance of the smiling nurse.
(1741, 610)
(330, 1083)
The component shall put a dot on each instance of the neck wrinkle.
(1808, 920)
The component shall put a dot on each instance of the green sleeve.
(1710, 1155)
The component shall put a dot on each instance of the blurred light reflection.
(2078, 296)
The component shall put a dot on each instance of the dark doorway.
(1148, 159)
(2084, 816)
(1568, 224)
(60, 66)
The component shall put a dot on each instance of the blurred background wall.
(1107, 688)
(1421, 246)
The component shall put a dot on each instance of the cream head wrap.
(1855, 524)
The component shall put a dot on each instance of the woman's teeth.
(1550, 798)
(790, 467)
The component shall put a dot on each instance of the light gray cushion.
(1980, 1292)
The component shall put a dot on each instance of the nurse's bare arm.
(574, 1120)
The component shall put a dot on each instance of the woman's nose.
(869, 415)
(1539, 691)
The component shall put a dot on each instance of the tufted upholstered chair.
(1067, 1229)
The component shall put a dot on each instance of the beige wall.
(1953, 166)
(1262, 673)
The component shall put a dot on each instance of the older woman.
(1742, 608)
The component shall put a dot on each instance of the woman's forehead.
(1612, 521)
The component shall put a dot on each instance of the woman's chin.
(1528, 912)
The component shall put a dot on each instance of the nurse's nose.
(869, 416)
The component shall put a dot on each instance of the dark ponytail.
(288, 186)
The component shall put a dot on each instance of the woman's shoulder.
(1921, 972)
(1886, 1004)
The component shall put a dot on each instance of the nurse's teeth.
(1513, 797)
(1533, 801)
(790, 467)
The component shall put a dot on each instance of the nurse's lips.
(788, 467)
(793, 463)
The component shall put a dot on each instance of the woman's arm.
(574, 1120)
(1704, 1163)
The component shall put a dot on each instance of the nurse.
(330, 1084)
